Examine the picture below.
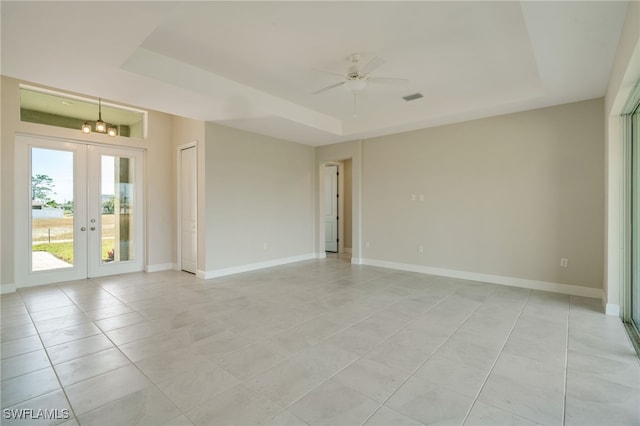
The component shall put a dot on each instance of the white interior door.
(331, 208)
(78, 211)
(188, 210)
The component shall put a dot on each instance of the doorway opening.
(331, 208)
(336, 207)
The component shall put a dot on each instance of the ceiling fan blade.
(330, 72)
(373, 64)
(388, 80)
(324, 89)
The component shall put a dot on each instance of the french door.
(79, 210)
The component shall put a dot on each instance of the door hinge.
(337, 217)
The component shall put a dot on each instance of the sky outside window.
(58, 165)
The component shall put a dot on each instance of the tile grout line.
(356, 359)
(106, 372)
(212, 362)
(145, 376)
(133, 364)
(242, 381)
(62, 388)
(266, 339)
(108, 338)
(515, 322)
(424, 362)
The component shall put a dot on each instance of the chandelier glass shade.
(101, 126)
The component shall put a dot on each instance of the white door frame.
(22, 202)
(179, 149)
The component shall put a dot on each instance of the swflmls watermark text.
(35, 414)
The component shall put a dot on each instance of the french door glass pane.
(52, 206)
(117, 197)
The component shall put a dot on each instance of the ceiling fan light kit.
(355, 85)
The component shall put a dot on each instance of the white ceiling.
(253, 65)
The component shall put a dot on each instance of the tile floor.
(314, 343)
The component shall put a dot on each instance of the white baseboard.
(321, 255)
(612, 309)
(160, 267)
(7, 288)
(487, 278)
(254, 266)
(356, 261)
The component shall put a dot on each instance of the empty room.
(320, 213)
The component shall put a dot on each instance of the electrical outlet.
(420, 248)
(564, 262)
(413, 197)
(265, 246)
(421, 197)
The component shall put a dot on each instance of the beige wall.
(158, 158)
(159, 200)
(506, 196)
(9, 95)
(258, 190)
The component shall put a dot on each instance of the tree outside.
(108, 205)
(42, 189)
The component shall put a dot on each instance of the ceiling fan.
(358, 76)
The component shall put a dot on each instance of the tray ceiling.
(254, 65)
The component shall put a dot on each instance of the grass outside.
(56, 236)
(64, 250)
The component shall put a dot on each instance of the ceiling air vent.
(413, 97)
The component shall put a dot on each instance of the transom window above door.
(62, 110)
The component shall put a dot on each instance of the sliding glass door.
(635, 222)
